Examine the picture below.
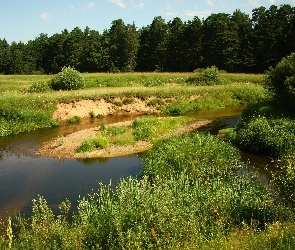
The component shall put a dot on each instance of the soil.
(65, 146)
(102, 107)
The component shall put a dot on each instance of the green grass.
(27, 105)
(146, 129)
(197, 155)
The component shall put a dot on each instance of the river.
(23, 175)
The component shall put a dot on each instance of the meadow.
(27, 103)
(193, 191)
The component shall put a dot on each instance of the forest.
(232, 42)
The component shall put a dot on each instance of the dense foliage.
(281, 80)
(232, 42)
(268, 128)
(67, 79)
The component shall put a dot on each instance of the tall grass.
(195, 154)
(24, 113)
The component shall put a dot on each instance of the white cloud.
(119, 3)
(72, 7)
(170, 13)
(202, 13)
(254, 3)
(272, 1)
(210, 2)
(141, 5)
(89, 6)
(45, 16)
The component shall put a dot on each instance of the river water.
(23, 175)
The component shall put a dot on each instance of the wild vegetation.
(28, 102)
(193, 200)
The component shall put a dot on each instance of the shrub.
(207, 77)
(281, 80)
(211, 75)
(67, 79)
(39, 87)
(91, 144)
(269, 137)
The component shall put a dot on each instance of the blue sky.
(23, 20)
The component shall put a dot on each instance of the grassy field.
(27, 104)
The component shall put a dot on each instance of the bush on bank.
(281, 81)
(269, 128)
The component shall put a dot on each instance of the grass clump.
(151, 129)
(74, 119)
(39, 87)
(88, 145)
(195, 154)
(127, 101)
(156, 102)
(92, 114)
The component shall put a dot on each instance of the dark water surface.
(23, 175)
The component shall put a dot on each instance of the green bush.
(269, 137)
(211, 75)
(39, 87)
(67, 79)
(206, 77)
(92, 144)
(281, 80)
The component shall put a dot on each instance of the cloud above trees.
(45, 16)
(91, 5)
(120, 3)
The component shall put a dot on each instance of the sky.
(24, 20)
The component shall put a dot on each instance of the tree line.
(235, 43)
